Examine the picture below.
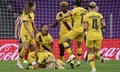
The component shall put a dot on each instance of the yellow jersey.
(94, 25)
(66, 24)
(44, 40)
(78, 17)
(29, 18)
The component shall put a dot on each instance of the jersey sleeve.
(57, 16)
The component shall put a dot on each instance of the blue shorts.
(19, 40)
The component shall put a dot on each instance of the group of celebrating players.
(74, 25)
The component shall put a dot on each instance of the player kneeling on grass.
(43, 56)
(45, 60)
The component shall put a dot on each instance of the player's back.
(65, 24)
(78, 15)
(94, 25)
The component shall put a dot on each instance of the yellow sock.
(91, 61)
(72, 62)
(62, 58)
(79, 53)
(69, 51)
(22, 52)
(97, 54)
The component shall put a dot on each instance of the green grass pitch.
(108, 66)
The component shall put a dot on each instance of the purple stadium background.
(47, 9)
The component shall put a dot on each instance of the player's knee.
(90, 50)
(26, 45)
(66, 45)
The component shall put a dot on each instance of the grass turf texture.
(109, 66)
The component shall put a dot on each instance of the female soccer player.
(65, 26)
(93, 23)
(44, 48)
(76, 33)
(27, 30)
(43, 39)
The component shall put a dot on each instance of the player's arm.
(16, 27)
(85, 26)
(37, 46)
(51, 42)
(16, 30)
(54, 24)
(37, 41)
(35, 28)
(103, 23)
(27, 28)
(65, 16)
(85, 23)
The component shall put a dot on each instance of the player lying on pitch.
(43, 56)
(44, 59)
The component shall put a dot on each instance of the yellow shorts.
(78, 36)
(27, 38)
(65, 44)
(93, 43)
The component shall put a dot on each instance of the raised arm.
(65, 16)
(54, 24)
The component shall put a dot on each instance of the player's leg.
(22, 54)
(32, 64)
(68, 48)
(61, 48)
(70, 36)
(90, 46)
(97, 53)
(25, 43)
(41, 57)
(20, 44)
(64, 46)
(79, 39)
